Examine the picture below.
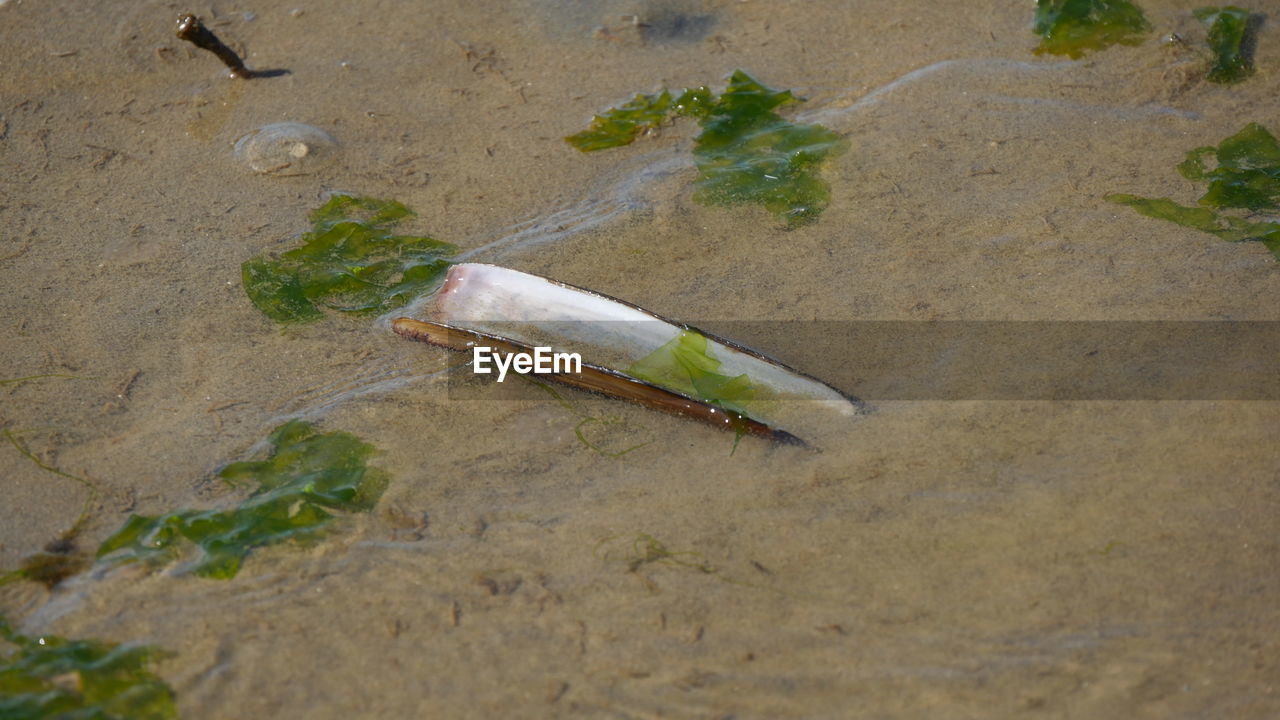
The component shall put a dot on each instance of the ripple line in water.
(627, 193)
(591, 211)
(366, 375)
(317, 401)
(1078, 108)
(832, 116)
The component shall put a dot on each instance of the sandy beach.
(923, 558)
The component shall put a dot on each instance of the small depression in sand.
(286, 148)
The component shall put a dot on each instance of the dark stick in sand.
(193, 31)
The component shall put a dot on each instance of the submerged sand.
(949, 559)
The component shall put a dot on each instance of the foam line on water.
(583, 215)
(835, 116)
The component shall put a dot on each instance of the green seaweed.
(52, 677)
(17, 380)
(1246, 177)
(1227, 227)
(648, 550)
(306, 476)
(745, 154)
(645, 550)
(46, 568)
(56, 565)
(585, 420)
(695, 102)
(1071, 27)
(622, 125)
(1108, 548)
(1227, 27)
(351, 261)
(22, 450)
(685, 365)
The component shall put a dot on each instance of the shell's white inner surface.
(533, 309)
(492, 298)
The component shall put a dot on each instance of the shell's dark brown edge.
(853, 400)
(602, 380)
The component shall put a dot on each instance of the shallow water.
(951, 558)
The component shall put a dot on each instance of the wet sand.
(952, 559)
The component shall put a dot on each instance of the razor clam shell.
(534, 310)
(595, 378)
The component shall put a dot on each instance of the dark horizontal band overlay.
(1022, 360)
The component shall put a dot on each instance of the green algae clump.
(1246, 178)
(1247, 175)
(746, 152)
(1226, 27)
(1232, 229)
(686, 366)
(351, 261)
(51, 677)
(1071, 27)
(623, 124)
(307, 475)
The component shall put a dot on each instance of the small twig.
(193, 31)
